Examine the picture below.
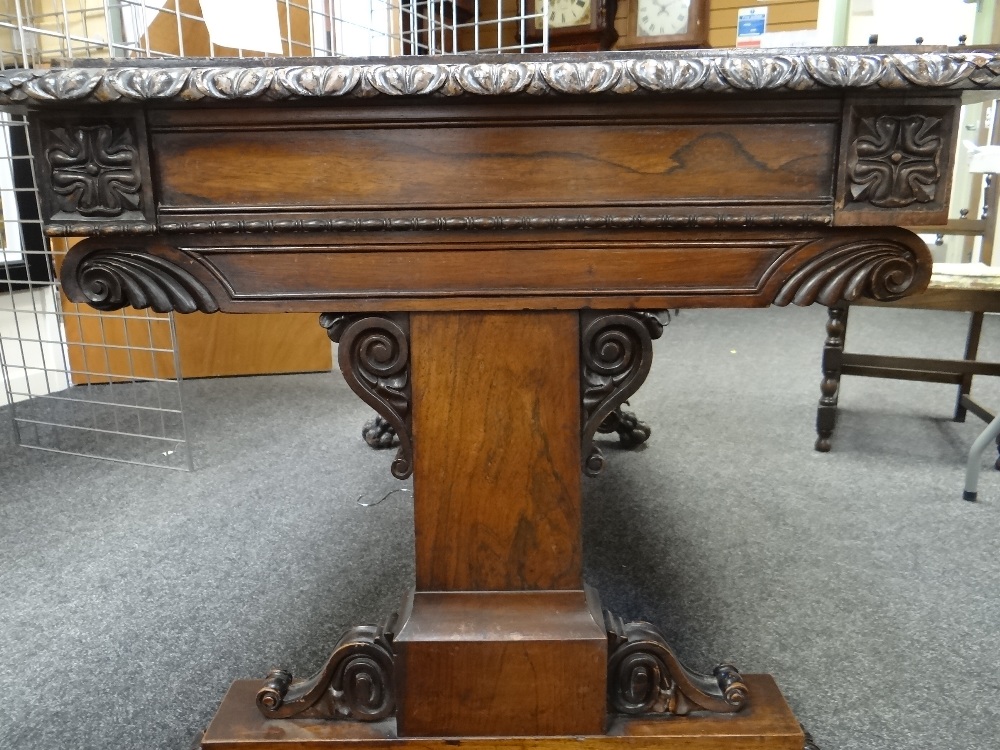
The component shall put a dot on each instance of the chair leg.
(833, 351)
(971, 352)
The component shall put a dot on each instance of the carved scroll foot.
(646, 677)
(374, 357)
(356, 683)
(833, 353)
(379, 433)
(631, 431)
(616, 350)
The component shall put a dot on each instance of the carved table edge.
(688, 72)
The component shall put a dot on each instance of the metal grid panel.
(118, 396)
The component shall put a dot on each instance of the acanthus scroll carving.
(894, 160)
(374, 356)
(355, 683)
(616, 351)
(882, 270)
(94, 170)
(111, 280)
(646, 677)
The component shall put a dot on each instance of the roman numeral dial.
(662, 17)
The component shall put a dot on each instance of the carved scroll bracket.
(374, 357)
(616, 351)
(356, 682)
(111, 280)
(645, 676)
(881, 269)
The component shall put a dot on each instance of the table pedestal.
(500, 637)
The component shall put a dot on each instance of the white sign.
(243, 24)
(751, 23)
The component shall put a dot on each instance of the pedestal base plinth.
(766, 724)
(501, 663)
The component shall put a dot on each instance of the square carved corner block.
(898, 161)
(93, 171)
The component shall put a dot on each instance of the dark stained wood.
(496, 498)
(766, 723)
(516, 270)
(492, 204)
(893, 159)
(588, 156)
(501, 663)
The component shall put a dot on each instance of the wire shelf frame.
(109, 385)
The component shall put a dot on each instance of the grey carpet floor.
(131, 597)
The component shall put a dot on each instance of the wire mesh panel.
(108, 385)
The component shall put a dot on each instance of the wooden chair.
(966, 287)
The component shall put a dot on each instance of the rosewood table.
(484, 237)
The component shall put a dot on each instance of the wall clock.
(665, 24)
(578, 25)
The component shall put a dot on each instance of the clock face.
(563, 13)
(662, 17)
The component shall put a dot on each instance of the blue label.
(751, 25)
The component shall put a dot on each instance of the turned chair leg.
(833, 352)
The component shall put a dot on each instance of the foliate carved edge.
(112, 280)
(665, 73)
(374, 357)
(355, 683)
(616, 351)
(646, 677)
(879, 269)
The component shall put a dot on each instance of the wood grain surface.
(515, 270)
(496, 479)
(586, 164)
(501, 663)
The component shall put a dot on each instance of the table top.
(506, 182)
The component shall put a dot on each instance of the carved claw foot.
(646, 677)
(631, 431)
(356, 682)
(379, 433)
